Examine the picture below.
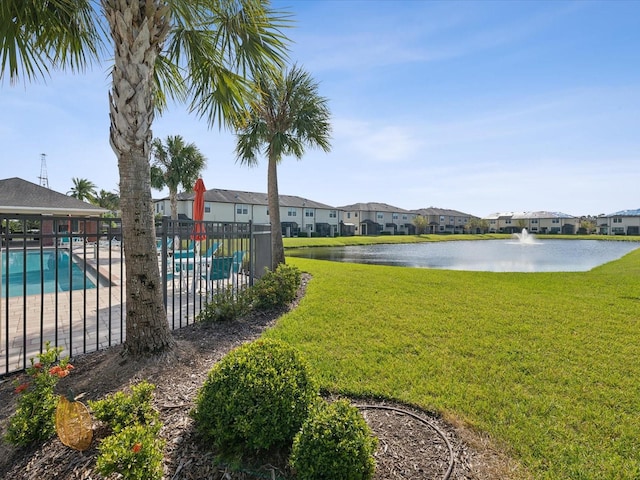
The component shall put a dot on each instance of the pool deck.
(81, 321)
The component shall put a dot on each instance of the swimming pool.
(41, 271)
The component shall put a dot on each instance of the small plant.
(135, 452)
(335, 443)
(225, 305)
(276, 288)
(34, 420)
(120, 410)
(255, 398)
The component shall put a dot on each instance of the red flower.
(37, 365)
(70, 367)
(22, 388)
(136, 447)
(55, 370)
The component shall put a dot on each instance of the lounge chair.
(169, 242)
(238, 255)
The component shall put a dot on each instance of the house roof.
(22, 197)
(527, 215)
(433, 211)
(625, 213)
(216, 195)
(373, 207)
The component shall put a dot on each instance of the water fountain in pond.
(525, 237)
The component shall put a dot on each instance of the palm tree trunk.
(138, 28)
(277, 247)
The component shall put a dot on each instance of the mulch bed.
(411, 446)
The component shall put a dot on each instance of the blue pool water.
(45, 271)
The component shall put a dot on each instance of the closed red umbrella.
(198, 211)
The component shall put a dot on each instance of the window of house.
(207, 208)
(535, 220)
(380, 216)
(292, 212)
(333, 214)
(617, 220)
(308, 212)
(555, 220)
(396, 216)
(508, 222)
(348, 214)
(442, 218)
(404, 217)
(242, 209)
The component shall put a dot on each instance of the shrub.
(255, 398)
(134, 449)
(135, 452)
(276, 288)
(34, 419)
(225, 305)
(335, 443)
(120, 410)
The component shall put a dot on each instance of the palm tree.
(175, 164)
(82, 189)
(287, 116)
(203, 52)
(108, 200)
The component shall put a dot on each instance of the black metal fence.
(63, 278)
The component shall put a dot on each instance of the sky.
(476, 106)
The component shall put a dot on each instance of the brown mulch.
(412, 443)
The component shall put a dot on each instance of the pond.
(481, 255)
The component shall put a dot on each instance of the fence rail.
(63, 278)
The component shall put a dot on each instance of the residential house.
(297, 215)
(376, 219)
(535, 222)
(442, 220)
(624, 222)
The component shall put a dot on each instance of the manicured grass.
(545, 363)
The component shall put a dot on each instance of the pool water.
(45, 271)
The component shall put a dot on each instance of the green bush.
(120, 410)
(34, 419)
(225, 305)
(135, 452)
(255, 399)
(276, 288)
(335, 443)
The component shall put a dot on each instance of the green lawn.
(547, 364)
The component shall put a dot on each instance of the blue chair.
(211, 251)
(159, 245)
(219, 272)
(238, 255)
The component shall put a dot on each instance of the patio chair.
(219, 272)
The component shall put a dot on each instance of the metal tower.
(44, 179)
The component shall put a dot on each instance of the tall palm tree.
(82, 189)
(108, 200)
(203, 52)
(287, 116)
(175, 164)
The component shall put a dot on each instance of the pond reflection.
(481, 255)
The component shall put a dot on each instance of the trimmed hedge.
(256, 398)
